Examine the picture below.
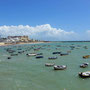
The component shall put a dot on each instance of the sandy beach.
(7, 44)
(2, 44)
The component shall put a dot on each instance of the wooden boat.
(84, 74)
(49, 64)
(84, 65)
(52, 58)
(87, 56)
(60, 67)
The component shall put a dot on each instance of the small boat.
(63, 54)
(31, 54)
(56, 53)
(39, 57)
(87, 56)
(60, 67)
(84, 74)
(39, 53)
(14, 54)
(52, 58)
(84, 65)
(8, 57)
(49, 64)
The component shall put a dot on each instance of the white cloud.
(42, 32)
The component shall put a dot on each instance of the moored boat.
(50, 58)
(84, 65)
(31, 54)
(39, 53)
(87, 56)
(56, 52)
(49, 64)
(60, 67)
(84, 74)
(14, 54)
(63, 54)
(39, 57)
(8, 57)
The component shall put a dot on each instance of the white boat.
(60, 67)
(52, 58)
(84, 65)
(49, 64)
(84, 74)
(31, 54)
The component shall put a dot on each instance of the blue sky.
(68, 15)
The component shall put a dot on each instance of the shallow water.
(28, 73)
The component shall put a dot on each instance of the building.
(18, 38)
(3, 39)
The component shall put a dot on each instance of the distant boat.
(8, 57)
(60, 67)
(63, 54)
(87, 56)
(14, 54)
(49, 64)
(39, 53)
(84, 65)
(56, 53)
(39, 57)
(31, 54)
(52, 58)
(84, 74)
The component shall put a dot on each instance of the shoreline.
(21, 43)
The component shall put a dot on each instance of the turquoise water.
(28, 73)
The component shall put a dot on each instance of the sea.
(22, 72)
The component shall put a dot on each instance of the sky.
(46, 19)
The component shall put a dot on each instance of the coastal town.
(12, 40)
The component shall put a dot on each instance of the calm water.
(28, 73)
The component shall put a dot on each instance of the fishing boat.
(52, 58)
(84, 65)
(60, 67)
(39, 57)
(84, 74)
(56, 53)
(49, 64)
(87, 56)
(31, 54)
